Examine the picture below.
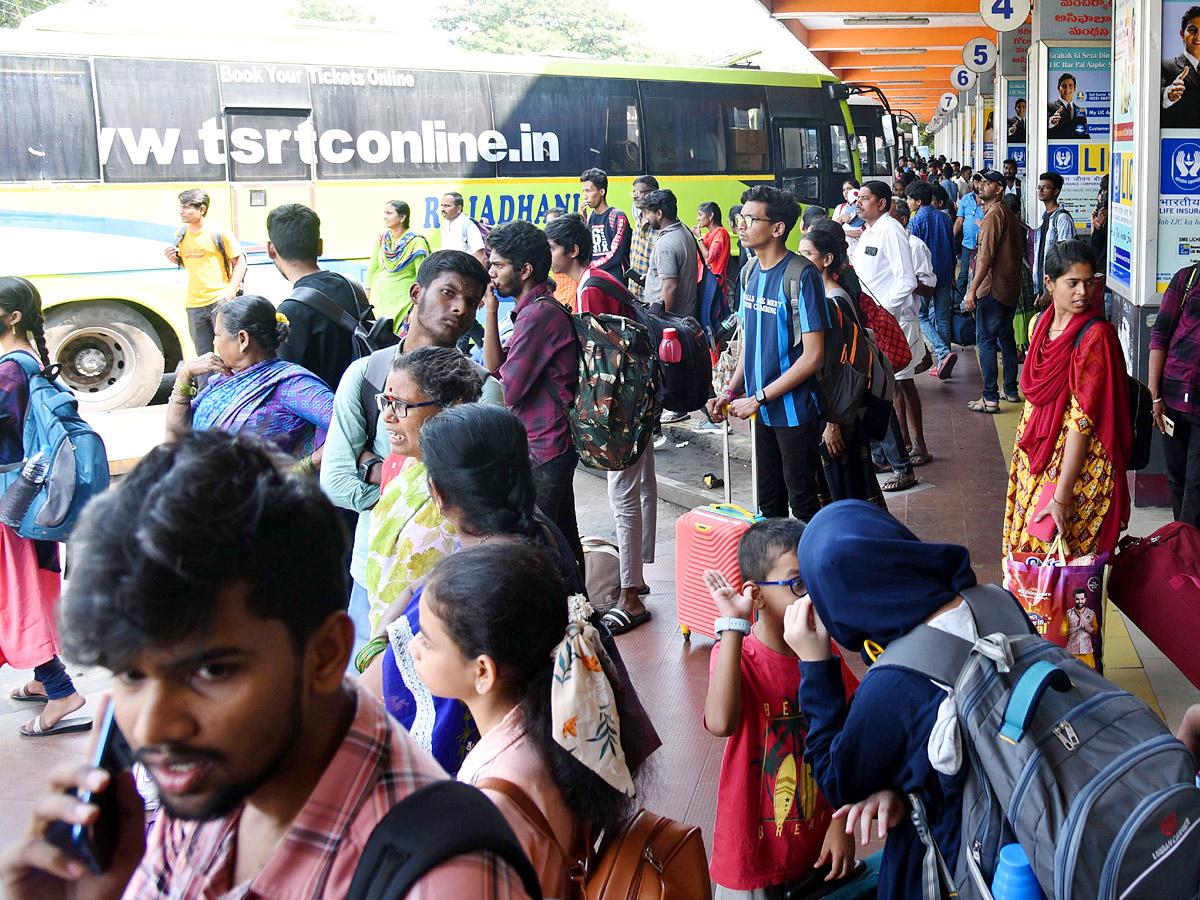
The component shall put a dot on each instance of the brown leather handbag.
(651, 858)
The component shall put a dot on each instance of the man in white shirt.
(884, 264)
(459, 232)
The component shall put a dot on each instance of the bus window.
(840, 142)
(881, 157)
(263, 147)
(684, 133)
(421, 124)
(746, 124)
(571, 124)
(864, 154)
(801, 162)
(160, 120)
(43, 97)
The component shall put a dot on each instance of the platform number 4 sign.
(979, 54)
(1004, 15)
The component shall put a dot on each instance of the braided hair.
(20, 295)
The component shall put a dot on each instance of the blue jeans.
(935, 320)
(360, 613)
(891, 450)
(964, 269)
(994, 326)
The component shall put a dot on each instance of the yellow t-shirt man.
(208, 276)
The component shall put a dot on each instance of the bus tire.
(110, 355)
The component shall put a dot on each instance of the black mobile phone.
(95, 844)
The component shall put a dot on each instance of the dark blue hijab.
(870, 577)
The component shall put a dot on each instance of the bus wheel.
(110, 354)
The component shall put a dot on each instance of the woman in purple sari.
(251, 389)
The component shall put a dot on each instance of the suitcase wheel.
(687, 633)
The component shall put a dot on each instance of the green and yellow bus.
(101, 132)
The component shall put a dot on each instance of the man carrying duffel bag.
(994, 735)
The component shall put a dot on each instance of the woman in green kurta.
(397, 255)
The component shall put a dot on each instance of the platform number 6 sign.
(979, 54)
(1004, 15)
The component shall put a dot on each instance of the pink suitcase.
(707, 538)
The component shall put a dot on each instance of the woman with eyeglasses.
(1074, 437)
(408, 534)
(250, 389)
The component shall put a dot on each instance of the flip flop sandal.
(920, 459)
(644, 590)
(980, 406)
(23, 695)
(899, 483)
(618, 621)
(880, 468)
(62, 726)
(947, 366)
(1011, 398)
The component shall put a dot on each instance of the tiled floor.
(963, 502)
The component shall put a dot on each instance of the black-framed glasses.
(399, 408)
(794, 584)
(743, 221)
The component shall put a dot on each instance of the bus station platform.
(961, 500)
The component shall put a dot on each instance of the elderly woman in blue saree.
(251, 389)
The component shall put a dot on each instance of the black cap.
(995, 177)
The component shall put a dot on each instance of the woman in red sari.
(1074, 431)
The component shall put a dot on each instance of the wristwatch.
(728, 623)
(761, 396)
(364, 468)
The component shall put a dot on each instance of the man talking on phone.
(228, 647)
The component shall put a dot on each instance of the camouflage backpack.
(612, 418)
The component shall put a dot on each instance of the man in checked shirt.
(213, 586)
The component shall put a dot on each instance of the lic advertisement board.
(1077, 119)
(1179, 179)
(1121, 186)
(1016, 123)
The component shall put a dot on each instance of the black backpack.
(1141, 415)
(368, 333)
(429, 827)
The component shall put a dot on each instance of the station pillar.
(1012, 106)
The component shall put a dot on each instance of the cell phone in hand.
(1168, 426)
(95, 845)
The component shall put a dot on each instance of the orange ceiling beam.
(924, 36)
(870, 7)
(934, 79)
(852, 59)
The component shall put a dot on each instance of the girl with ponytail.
(30, 576)
(476, 459)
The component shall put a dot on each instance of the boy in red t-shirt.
(773, 824)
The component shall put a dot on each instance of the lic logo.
(1062, 160)
(1185, 167)
(1018, 156)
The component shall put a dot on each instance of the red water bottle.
(669, 348)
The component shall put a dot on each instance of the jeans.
(633, 493)
(964, 269)
(201, 320)
(360, 614)
(891, 450)
(1182, 454)
(788, 460)
(554, 481)
(53, 677)
(994, 325)
(935, 320)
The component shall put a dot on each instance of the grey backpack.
(1085, 776)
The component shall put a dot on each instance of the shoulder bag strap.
(374, 378)
(360, 295)
(534, 816)
(315, 299)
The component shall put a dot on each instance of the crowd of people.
(408, 516)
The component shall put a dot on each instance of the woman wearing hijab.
(890, 739)
(1074, 432)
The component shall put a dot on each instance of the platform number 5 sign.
(979, 54)
(1004, 15)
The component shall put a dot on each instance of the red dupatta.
(1094, 373)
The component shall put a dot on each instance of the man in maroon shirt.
(539, 368)
(1174, 385)
(633, 492)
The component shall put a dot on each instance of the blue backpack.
(712, 304)
(65, 463)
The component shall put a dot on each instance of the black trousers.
(1182, 453)
(554, 481)
(788, 461)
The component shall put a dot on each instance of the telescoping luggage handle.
(753, 466)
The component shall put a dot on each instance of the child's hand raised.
(728, 601)
(837, 850)
(804, 632)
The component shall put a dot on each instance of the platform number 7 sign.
(1004, 15)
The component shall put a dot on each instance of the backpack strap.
(525, 805)
(792, 275)
(379, 364)
(429, 827)
(1084, 330)
(320, 302)
(218, 239)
